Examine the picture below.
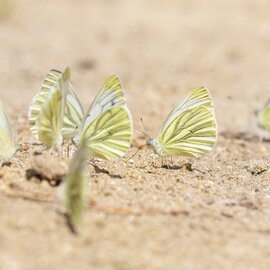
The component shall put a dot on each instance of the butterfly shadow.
(171, 167)
(104, 171)
(184, 167)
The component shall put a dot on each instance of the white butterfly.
(107, 126)
(190, 129)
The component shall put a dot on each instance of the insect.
(7, 144)
(107, 126)
(263, 117)
(51, 115)
(73, 189)
(190, 129)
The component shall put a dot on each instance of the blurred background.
(160, 49)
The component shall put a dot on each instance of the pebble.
(257, 166)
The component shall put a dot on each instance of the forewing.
(110, 95)
(199, 96)
(109, 135)
(73, 116)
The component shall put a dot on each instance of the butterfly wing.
(107, 126)
(190, 129)
(50, 83)
(109, 135)
(50, 120)
(74, 187)
(110, 95)
(263, 117)
(73, 115)
(7, 146)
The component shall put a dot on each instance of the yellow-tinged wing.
(263, 117)
(110, 95)
(50, 83)
(195, 97)
(190, 129)
(107, 126)
(74, 113)
(50, 120)
(108, 136)
(7, 146)
(74, 187)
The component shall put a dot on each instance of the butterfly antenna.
(136, 152)
(145, 129)
(144, 133)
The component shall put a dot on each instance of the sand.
(140, 214)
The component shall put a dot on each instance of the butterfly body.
(157, 147)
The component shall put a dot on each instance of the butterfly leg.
(68, 149)
(93, 163)
(61, 152)
(172, 163)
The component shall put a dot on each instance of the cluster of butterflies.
(105, 130)
(56, 115)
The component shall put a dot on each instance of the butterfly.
(50, 109)
(107, 126)
(73, 189)
(190, 129)
(263, 117)
(7, 144)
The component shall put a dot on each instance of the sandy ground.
(141, 215)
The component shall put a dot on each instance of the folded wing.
(190, 129)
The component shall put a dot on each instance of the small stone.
(257, 166)
(47, 168)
